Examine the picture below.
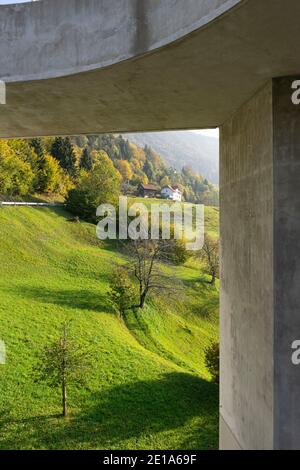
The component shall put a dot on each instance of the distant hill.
(184, 148)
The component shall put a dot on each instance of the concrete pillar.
(260, 272)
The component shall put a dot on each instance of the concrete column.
(260, 272)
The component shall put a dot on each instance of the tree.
(63, 151)
(212, 361)
(209, 254)
(52, 178)
(62, 363)
(122, 291)
(138, 157)
(125, 170)
(125, 149)
(165, 181)
(139, 179)
(149, 170)
(86, 160)
(100, 186)
(25, 152)
(38, 147)
(146, 256)
(16, 176)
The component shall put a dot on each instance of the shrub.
(212, 361)
(122, 291)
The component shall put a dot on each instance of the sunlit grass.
(149, 387)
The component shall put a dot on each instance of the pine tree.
(37, 146)
(86, 160)
(63, 151)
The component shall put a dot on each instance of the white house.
(171, 192)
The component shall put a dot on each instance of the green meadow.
(148, 388)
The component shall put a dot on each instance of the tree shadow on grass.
(135, 412)
(72, 298)
(208, 310)
(204, 298)
(202, 282)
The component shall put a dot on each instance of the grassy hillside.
(149, 387)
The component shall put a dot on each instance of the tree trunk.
(64, 399)
(142, 299)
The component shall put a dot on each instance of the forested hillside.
(55, 165)
(180, 148)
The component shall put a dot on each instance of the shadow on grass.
(73, 298)
(136, 412)
(205, 298)
(202, 282)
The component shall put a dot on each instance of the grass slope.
(149, 387)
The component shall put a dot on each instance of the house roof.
(149, 187)
(172, 188)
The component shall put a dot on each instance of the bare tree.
(62, 363)
(146, 259)
(209, 254)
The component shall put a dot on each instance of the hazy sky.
(209, 132)
(5, 2)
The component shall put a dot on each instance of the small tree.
(146, 257)
(209, 254)
(62, 363)
(122, 291)
(212, 361)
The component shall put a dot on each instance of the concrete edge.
(227, 439)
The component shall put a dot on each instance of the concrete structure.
(260, 301)
(79, 66)
(87, 66)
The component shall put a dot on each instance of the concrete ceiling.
(88, 66)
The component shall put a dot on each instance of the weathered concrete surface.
(247, 312)
(260, 296)
(287, 264)
(54, 38)
(82, 66)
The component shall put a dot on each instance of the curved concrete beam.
(124, 65)
(52, 38)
